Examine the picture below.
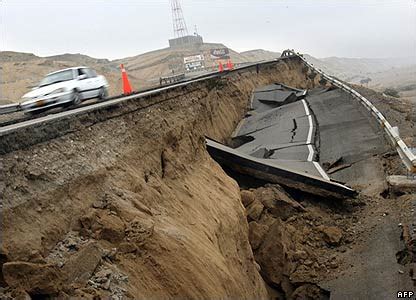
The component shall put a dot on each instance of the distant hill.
(398, 73)
(12, 56)
(260, 54)
(347, 67)
(78, 58)
(20, 71)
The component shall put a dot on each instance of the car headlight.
(57, 91)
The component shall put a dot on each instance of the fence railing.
(9, 108)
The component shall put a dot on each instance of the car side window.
(90, 73)
(82, 72)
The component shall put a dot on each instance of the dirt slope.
(132, 206)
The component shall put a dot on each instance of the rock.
(254, 210)
(308, 262)
(82, 264)
(20, 294)
(300, 255)
(33, 278)
(140, 230)
(106, 285)
(126, 247)
(102, 276)
(247, 197)
(88, 219)
(256, 234)
(273, 254)
(109, 227)
(333, 265)
(332, 235)
(99, 204)
(36, 257)
(401, 184)
(277, 201)
(110, 254)
(71, 244)
(309, 291)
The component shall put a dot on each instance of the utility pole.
(179, 25)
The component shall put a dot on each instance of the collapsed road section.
(122, 200)
(291, 136)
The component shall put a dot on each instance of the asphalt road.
(374, 272)
(347, 131)
(282, 130)
(326, 129)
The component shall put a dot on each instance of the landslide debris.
(296, 242)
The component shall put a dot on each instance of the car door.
(83, 83)
(94, 81)
(88, 85)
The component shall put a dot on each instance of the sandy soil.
(133, 206)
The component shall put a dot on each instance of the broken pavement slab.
(271, 171)
(401, 184)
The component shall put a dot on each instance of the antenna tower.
(179, 25)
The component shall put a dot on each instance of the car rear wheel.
(103, 93)
(76, 98)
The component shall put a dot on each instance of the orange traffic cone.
(220, 67)
(230, 65)
(126, 84)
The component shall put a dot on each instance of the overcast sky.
(121, 28)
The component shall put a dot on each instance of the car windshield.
(57, 77)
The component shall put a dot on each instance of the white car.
(65, 87)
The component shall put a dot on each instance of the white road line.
(321, 171)
(309, 140)
(311, 152)
(306, 107)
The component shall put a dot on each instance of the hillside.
(20, 71)
(260, 54)
(398, 73)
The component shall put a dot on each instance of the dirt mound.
(132, 205)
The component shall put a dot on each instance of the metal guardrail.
(406, 155)
(172, 78)
(9, 108)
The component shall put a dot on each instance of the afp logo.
(405, 294)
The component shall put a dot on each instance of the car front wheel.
(76, 98)
(103, 93)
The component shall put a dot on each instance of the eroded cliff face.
(131, 205)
